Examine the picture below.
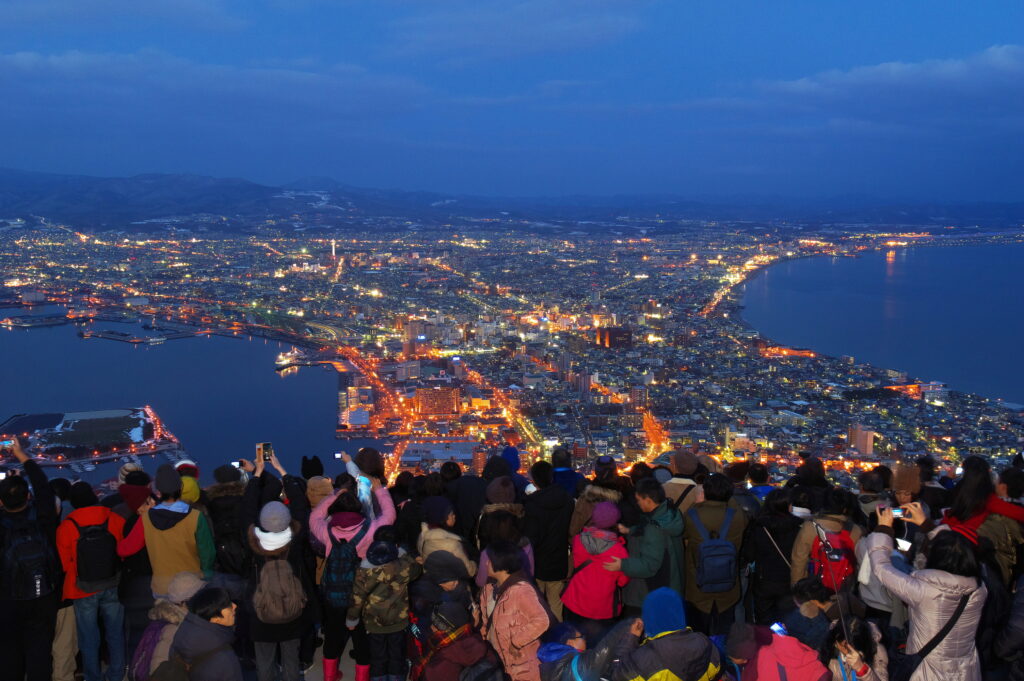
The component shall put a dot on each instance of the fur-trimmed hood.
(225, 489)
(514, 509)
(594, 494)
(165, 611)
(258, 550)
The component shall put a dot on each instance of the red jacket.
(67, 541)
(783, 652)
(591, 591)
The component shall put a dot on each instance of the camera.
(779, 629)
(898, 512)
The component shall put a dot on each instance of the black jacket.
(224, 506)
(746, 500)
(468, 495)
(685, 654)
(196, 637)
(1009, 642)
(771, 566)
(547, 513)
(556, 661)
(41, 512)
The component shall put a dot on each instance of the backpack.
(30, 567)
(176, 669)
(279, 597)
(99, 567)
(142, 658)
(716, 558)
(833, 560)
(340, 569)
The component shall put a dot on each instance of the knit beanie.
(81, 495)
(123, 471)
(312, 467)
(318, 488)
(189, 489)
(275, 517)
(184, 586)
(663, 611)
(381, 553)
(443, 566)
(684, 463)
(605, 515)
(907, 479)
(134, 496)
(501, 491)
(187, 467)
(662, 475)
(450, 616)
(168, 481)
(436, 510)
(226, 473)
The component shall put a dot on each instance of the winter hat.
(662, 475)
(501, 491)
(381, 552)
(275, 517)
(605, 515)
(604, 465)
(662, 612)
(312, 467)
(436, 510)
(184, 586)
(737, 471)
(907, 479)
(442, 566)
(134, 496)
(123, 471)
(742, 641)
(562, 633)
(684, 463)
(189, 489)
(511, 456)
(187, 467)
(138, 478)
(81, 495)
(450, 616)
(226, 473)
(318, 488)
(168, 481)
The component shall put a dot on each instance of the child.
(380, 598)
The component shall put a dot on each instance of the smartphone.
(903, 544)
(338, 455)
(3, 475)
(265, 450)
(236, 464)
(779, 629)
(898, 512)
(6, 443)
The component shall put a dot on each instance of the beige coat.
(931, 597)
(584, 508)
(440, 539)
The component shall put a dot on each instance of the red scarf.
(1012, 511)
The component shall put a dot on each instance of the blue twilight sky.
(916, 99)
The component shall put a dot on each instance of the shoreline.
(737, 307)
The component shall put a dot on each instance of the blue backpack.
(340, 570)
(716, 558)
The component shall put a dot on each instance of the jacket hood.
(668, 520)
(514, 509)
(389, 568)
(258, 549)
(553, 652)
(90, 515)
(225, 489)
(595, 494)
(197, 636)
(165, 519)
(795, 656)
(165, 611)
(596, 541)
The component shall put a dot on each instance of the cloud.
(469, 30)
(88, 14)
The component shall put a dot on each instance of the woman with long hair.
(853, 651)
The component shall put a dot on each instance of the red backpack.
(833, 560)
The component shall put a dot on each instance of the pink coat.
(591, 591)
(318, 522)
(514, 628)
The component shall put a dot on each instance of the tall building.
(639, 397)
(861, 439)
(439, 401)
(614, 337)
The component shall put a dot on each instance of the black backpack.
(30, 566)
(174, 668)
(340, 569)
(99, 567)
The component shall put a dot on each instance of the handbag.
(902, 665)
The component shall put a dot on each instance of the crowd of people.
(686, 571)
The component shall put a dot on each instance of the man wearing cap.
(177, 537)
(684, 467)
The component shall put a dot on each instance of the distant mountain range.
(116, 202)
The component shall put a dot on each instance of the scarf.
(969, 527)
(437, 641)
(1006, 508)
(272, 541)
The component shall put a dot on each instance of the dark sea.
(219, 396)
(950, 314)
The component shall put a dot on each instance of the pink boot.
(331, 671)
(362, 672)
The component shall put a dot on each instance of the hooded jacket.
(655, 555)
(684, 654)
(439, 539)
(172, 615)
(547, 513)
(223, 505)
(380, 594)
(591, 591)
(468, 494)
(557, 659)
(295, 554)
(932, 597)
(569, 480)
(712, 516)
(178, 539)
(591, 496)
(783, 658)
(67, 541)
(514, 619)
(319, 523)
(196, 637)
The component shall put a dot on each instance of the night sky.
(916, 100)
